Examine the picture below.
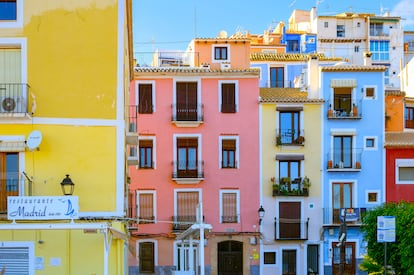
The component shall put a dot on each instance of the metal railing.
(290, 137)
(13, 98)
(167, 59)
(193, 170)
(354, 111)
(181, 223)
(342, 159)
(291, 229)
(288, 187)
(332, 216)
(189, 112)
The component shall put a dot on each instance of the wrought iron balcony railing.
(288, 187)
(193, 170)
(181, 223)
(288, 137)
(332, 216)
(13, 98)
(344, 160)
(291, 229)
(188, 112)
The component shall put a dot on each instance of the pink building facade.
(194, 189)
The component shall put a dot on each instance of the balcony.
(167, 59)
(188, 173)
(287, 187)
(189, 115)
(132, 116)
(344, 160)
(182, 223)
(345, 113)
(13, 100)
(291, 229)
(290, 137)
(331, 216)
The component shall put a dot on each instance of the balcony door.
(341, 198)
(187, 157)
(289, 220)
(348, 264)
(9, 180)
(186, 96)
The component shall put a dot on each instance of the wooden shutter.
(146, 257)
(186, 96)
(145, 99)
(289, 220)
(229, 205)
(146, 207)
(187, 203)
(228, 98)
(229, 144)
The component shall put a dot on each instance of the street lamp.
(67, 186)
(261, 214)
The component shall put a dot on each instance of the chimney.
(367, 58)
(313, 76)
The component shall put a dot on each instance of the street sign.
(385, 229)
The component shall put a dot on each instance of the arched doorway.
(230, 258)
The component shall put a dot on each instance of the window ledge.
(343, 170)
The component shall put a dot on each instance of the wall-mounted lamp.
(261, 214)
(67, 186)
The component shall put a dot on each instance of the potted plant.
(306, 183)
(330, 111)
(275, 186)
(329, 164)
(355, 110)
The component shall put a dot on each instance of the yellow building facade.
(64, 80)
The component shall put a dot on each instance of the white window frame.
(375, 143)
(155, 249)
(237, 155)
(31, 256)
(374, 97)
(22, 44)
(154, 150)
(213, 56)
(236, 91)
(154, 202)
(276, 258)
(230, 191)
(402, 163)
(18, 23)
(378, 192)
(137, 83)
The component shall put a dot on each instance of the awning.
(339, 83)
(12, 146)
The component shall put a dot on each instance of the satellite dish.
(33, 140)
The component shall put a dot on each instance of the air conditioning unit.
(133, 156)
(225, 66)
(205, 65)
(9, 104)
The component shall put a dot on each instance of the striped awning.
(12, 146)
(338, 83)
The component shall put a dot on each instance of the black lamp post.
(67, 186)
(261, 214)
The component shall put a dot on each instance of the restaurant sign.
(42, 208)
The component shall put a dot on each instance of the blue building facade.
(353, 159)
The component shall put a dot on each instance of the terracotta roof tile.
(300, 57)
(193, 70)
(352, 68)
(272, 95)
(399, 139)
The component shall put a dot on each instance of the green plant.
(306, 182)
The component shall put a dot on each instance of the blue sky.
(168, 25)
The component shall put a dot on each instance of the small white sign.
(385, 229)
(42, 208)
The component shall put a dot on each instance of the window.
(289, 169)
(187, 157)
(340, 30)
(228, 97)
(11, 12)
(370, 143)
(342, 100)
(387, 76)
(146, 153)
(229, 154)
(146, 206)
(380, 50)
(376, 29)
(292, 46)
(404, 171)
(269, 257)
(370, 92)
(356, 49)
(289, 132)
(146, 257)
(277, 77)
(325, 24)
(372, 197)
(185, 208)
(229, 206)
(9, 180)
(19, 256)
(358, 24)
(409, 117)
(221, 53)
(341, 198)
(349, 265)
(289, 220)
(145, 98)
(342, 152)
(187, 108)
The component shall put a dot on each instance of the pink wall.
(398, 192)
(246, 179)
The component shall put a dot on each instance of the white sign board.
(385, 229)
(42, 208)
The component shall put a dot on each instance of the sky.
(171, 25)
